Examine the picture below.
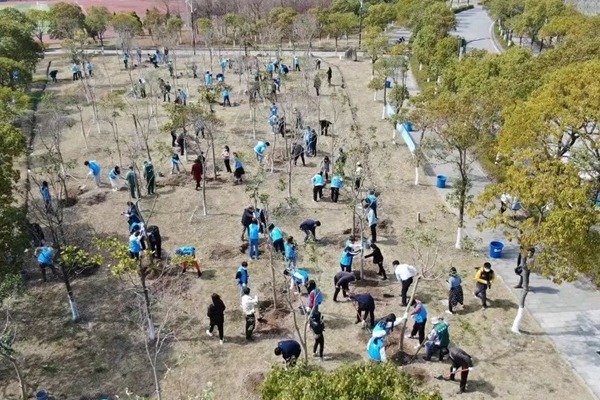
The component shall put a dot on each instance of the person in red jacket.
(197, 170)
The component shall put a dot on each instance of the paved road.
(569, 313)
(476, 27)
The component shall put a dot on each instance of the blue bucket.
(41, 395)
(409, 126)
(441, 181)
(496, 249)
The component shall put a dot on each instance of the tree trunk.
(520, 313)
(82, 127)
(15, 365)
(151, 330)
(417, 174)
(75, 314)
(412, 297)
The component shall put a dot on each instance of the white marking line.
(492, 38)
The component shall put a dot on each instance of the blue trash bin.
(496, 249)
(41, 395)
(409, 126)
(441, 181)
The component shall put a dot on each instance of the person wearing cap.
(455, 291)
(365, 304)
(463, 362)
(358, 173)
(309, 227)
(341, 280)
(419, 313)
(438, 339)
(483, 281)
(404, 274)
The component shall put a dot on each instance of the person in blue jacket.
(376, 349)
(242, 276)
(226, 100)
(386, 325)
(291, 254)
(289, 350)
(376, 345)
(371, 201)
(336, 184)
(274, 109)
(277, 239)
(135, 245)
(260, 149)
(45, 258)
(419, 313)
(346, 258)
(318, 182)
(46, 197)
(94, 171)
(298, 278)
(253, 239)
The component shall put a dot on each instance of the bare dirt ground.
(106, 352)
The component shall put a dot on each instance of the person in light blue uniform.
(298, 278)
(376, 345)
(270, 69)
(94, 171)
(90, 68)
(226, 100)
(419, 313)
(318, 183)
(376, 349)
(223, 64)
(336, 184)
(242, 276)
(135, 245)
(297, 63)
(277, 239)
(253, 239)
(259, 149)
(274, 109)
(45, 259)
(291, 253)
(346, 258)
(238, 169)
(371, 201)
(46, 197)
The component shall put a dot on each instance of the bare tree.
(7, 339)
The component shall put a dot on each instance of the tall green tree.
(40, 20)
(17, 42)
(66, 19)
(380, 15)
(97, 22)
(375, 45)
(127, 27)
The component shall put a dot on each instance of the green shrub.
(382, 381)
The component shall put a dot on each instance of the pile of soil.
(384, 227)
(417, 372)
(91, 199)
(180, 179)
(271, 323)
(221, 251)
(253, 381)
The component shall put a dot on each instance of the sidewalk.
(568, 313)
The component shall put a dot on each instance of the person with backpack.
(276, 239)
(289, 350)
(150, 177)
(438, 339)
(242, 276)
(291, 254)
(45, 259)
(317, 326)
(249, 309)
(419, 313)
(315, 296)
(483, 281)
(154, 241)
(455, 291)
(216, 316)
(377, 259)
(365, 304)
(318, 183)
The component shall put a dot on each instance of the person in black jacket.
(309, 227)
(216, 316)
(289, 350)
(463, 362)
(365, 303)
(341, 280)
(317, 326)
(377, 259)
(247, 217)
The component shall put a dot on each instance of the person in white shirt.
(404, 274)
(249, 309)
(358, 176)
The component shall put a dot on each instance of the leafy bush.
(77, 261)
(382, 381)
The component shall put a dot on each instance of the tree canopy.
(66, 19)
